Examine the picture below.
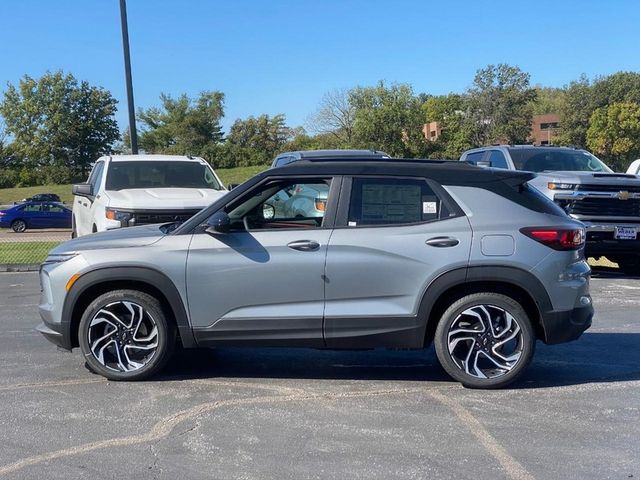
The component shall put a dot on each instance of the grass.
(10, 195)
(12, 253)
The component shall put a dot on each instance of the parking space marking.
(513, 468)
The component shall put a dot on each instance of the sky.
(281, 56)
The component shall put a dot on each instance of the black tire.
(121, 339)
(451, 343)
(74, 234)
(18, 225)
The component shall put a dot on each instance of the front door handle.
(304, 245)
(443, 242)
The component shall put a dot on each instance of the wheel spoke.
(123, 336)
(484, 341)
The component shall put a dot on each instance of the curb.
(19, 267)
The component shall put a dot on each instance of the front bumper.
(565, 326)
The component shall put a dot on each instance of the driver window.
(289, 204)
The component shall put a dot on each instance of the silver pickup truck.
(607, 203)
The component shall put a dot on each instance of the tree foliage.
(388, 118)
(183, 126)
(335, 116)
(254, 141)
(499, 105)
(56, 122)
(614, 133)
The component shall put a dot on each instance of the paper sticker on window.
(352, 224)
(429, 207)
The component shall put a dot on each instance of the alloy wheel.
(485, 341)
(123, 336)
(19, 226)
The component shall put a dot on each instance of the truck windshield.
(125, 175)
(541, 159)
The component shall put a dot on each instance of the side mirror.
(219, 222)
(231, 186)
(82, 189)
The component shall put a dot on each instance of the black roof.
(443, 171)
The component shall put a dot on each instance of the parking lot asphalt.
(297, 414)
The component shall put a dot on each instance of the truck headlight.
(113, 214)
(561, 186)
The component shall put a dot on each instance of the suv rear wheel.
(125, 335)
(485, 340)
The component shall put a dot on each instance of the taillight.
(321, 204)
(556, 238)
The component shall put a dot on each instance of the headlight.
(59, 258)
(561, 186)
(113, 214)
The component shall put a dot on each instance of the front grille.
(149, 217)
(604, 207)
(608, 188)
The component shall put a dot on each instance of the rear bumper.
(600, 240)
(565, 326)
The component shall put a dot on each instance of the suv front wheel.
(125, 335)
(485, 340)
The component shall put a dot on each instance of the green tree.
(500, 105)
(183, 126)
(57, 121)
(254, 141)
(548, 100)
(449, 112)
(614, 133)
(388, 118)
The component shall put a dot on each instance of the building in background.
(432, 131)
(544, 128)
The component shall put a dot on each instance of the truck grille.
(608, 188)
(604, 207)
(142, 217)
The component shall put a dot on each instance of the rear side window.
(474, 157)
(393, 201)
(497, 160)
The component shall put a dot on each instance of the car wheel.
(18, 226)
(74, 234)
(485, 340)
(125, 335)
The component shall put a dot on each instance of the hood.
(589, 178)
(163, 198)
(119, 238)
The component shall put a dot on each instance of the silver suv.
(406, 253)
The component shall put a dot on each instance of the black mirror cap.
(231, 186)
(82, 189)
(219, 222)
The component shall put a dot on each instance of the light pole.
(133, 134)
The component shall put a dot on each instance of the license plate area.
(625, 233)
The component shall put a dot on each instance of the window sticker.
(429, 207)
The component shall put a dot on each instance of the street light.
(133, 135)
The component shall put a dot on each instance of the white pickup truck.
(128, 190)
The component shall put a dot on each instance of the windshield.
(163, 174)
(540, 160)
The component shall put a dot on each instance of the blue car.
(35, 215)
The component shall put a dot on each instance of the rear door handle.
(304, 245)
(443, 242)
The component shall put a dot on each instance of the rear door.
(393, 237)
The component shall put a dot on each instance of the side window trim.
(342, 217)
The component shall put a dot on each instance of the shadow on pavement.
(595, 357)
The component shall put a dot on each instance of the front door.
(263, 281)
